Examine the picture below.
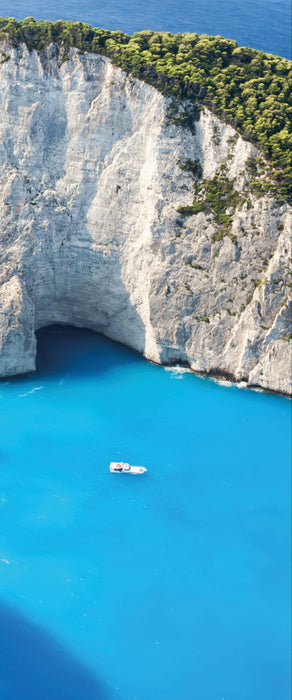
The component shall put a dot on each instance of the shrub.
(193, 166)
(186, 210)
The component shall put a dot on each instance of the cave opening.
(65, 349)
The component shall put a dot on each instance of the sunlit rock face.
(90, 183)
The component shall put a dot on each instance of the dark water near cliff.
(264, 25)
(170, 586)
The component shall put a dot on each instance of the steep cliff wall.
(92, 173)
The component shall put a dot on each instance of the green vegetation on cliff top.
(248, 89)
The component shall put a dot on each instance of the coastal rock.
(90, 184)
(17, 337)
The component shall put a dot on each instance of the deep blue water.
(261, 24)
(173, 585)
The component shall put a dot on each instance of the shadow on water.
(63, 349)
(34, 667)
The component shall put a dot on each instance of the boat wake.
(32, 391)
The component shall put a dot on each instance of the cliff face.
(90, 184)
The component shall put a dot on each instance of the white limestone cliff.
(90, 183)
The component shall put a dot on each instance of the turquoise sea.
(169, 586)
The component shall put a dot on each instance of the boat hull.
(124, 468)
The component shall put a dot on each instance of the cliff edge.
(117, 219)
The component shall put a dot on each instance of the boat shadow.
(34, 666)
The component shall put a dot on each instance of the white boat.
(125, 468)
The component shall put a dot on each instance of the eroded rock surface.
(90, 184)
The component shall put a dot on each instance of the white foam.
(177, 372)
(32, 391)
(241, 385)
(222, 382)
